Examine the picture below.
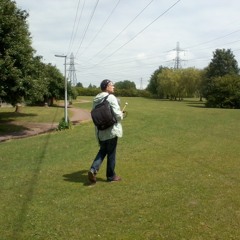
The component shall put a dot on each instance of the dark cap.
(104, 84)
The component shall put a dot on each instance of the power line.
(75, 20)
(79, 20)
(139, 32)
(215, 39)
(86, 29)
(122, 30)
(101, 28)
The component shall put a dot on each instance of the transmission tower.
(178, 59)
(72, 72)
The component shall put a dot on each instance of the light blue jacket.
(116, 129)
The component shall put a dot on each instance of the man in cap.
(107, 138)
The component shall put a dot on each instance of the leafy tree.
(223, 63)
(79, 85)
(46, 83)
(178, 83)
(125, 85)
(55, 84)
(15, 52)
(92, 86)
(154, 82)
(191, 81)
(219, 79)
(167, 84)
(225, 92)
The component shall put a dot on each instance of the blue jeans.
(107, 148)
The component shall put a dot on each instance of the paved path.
(31, 129)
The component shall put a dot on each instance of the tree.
(79, 85)
(91, 86)
(126, 84)
(223, 63)
(225, 92)
(178, 83)
(15, 52)
(168, 84)
(154, 82)
(45, 83)
(219, 78)
(191, 80)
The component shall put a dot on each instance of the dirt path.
(31, 129)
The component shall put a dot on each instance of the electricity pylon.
(178, 59)
(72, 77)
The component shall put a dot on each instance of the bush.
(64, 125)
(224, 92)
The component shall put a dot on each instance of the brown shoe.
(92, 177)
(115, 179)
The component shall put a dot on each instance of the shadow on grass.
(10, 116)
(7, 127)
(189, 102)
(22, 215)
(196, 104)
(7, 124)
(80, 177)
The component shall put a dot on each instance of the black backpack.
(103, 116)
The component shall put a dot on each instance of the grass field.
(180, 167)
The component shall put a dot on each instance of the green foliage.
(178, 83)
(118, 92)
(127, 85)
(63, 125)
(153, 86)
(87, 91)
(45, 83)
(224, 92)
(23, 76)
(15, 52)
(223, 63)
(221, 84)
(79, 85)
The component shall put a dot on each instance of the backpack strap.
(104, 99)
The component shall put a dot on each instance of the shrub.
(64, 125)
(224, 92)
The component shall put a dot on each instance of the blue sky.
(129, 39)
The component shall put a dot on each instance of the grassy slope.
(180, 168)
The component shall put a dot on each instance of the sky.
(129, 39)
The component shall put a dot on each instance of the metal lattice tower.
(177, 59)
(72, 77)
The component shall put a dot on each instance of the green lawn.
(180, 167)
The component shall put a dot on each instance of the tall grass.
(180, 167)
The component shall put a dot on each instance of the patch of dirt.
(31, 129)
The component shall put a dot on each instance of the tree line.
(24, 77)
(218, 83)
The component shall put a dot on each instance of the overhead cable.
(73, 29)
(101, 27)
(86, 29)
(79, 20)
(122, 30)
(139, 32)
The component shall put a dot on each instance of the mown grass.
(11, 121)
(180, 167)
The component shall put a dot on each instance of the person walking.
(107, 138)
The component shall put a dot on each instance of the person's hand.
(124, 113)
